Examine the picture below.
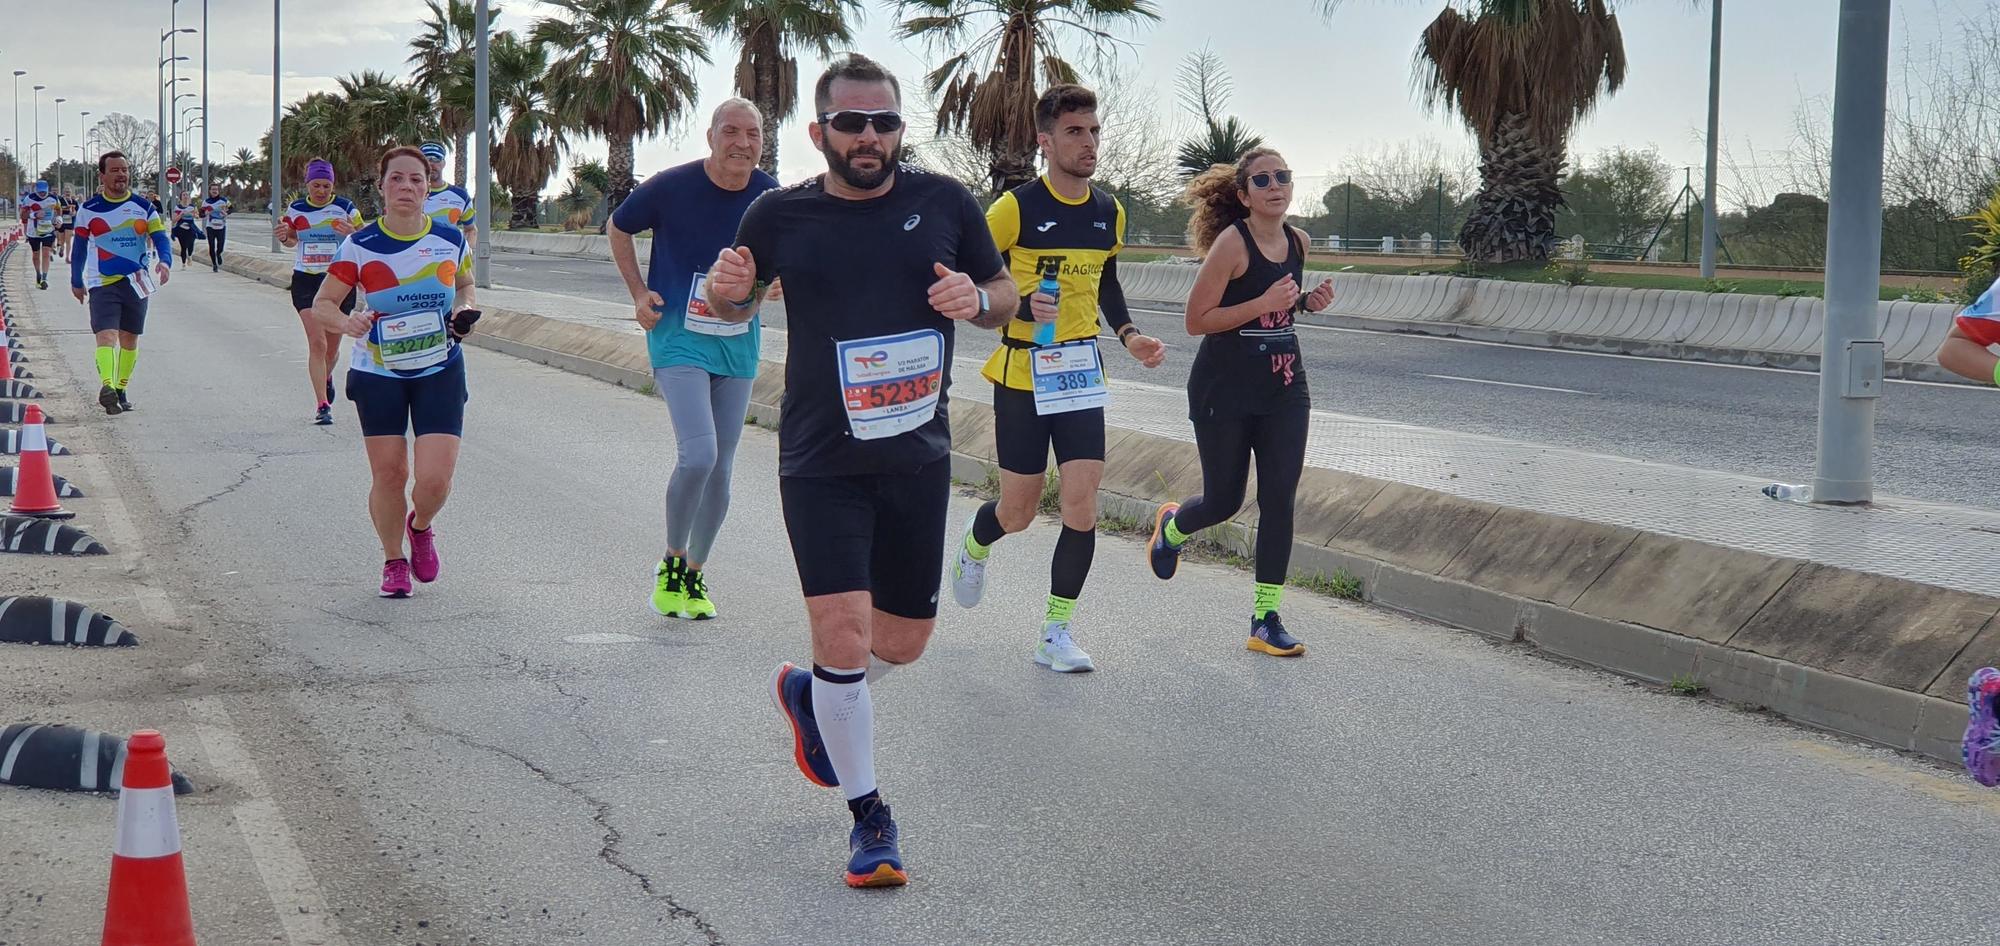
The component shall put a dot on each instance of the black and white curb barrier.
(44, 537)
(12, 388)
(10, 445)
(10, 477)
(33, 619)
(67, 759)
(15, 412)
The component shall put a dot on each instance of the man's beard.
(861, 180)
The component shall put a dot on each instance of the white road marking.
(562, 272)
(281, 865)
(1601, 354)
(1509, 384)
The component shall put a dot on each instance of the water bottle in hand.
(1045, 332)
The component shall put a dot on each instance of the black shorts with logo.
(881, 533)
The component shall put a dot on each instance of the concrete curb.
(1876, 658)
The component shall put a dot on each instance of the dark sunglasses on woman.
(1262, 179)
(852, 121)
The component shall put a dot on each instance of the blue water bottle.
(1045, 332)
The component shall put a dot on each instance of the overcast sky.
(1319, 90)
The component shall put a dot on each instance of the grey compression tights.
(707, 412)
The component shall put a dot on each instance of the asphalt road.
(1757, 422)
(524, 754)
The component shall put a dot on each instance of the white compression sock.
(847, 726)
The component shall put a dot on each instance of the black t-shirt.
(862, 337)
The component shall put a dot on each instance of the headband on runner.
(318, 170)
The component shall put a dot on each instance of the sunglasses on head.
(1262, 179)
(852, 121)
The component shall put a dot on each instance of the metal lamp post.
(1711, 235)
(277, 126)
(37, 159)
(482, 123)
(160, 75)
(59, 101)
(83, 148)
(19, 181)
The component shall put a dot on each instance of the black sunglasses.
(1263, 178)
(852, 121)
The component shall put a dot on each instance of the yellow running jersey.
(1036, 229)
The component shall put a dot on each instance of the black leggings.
(215, 238)
(186, 240)
(1226, 445)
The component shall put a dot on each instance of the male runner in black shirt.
(879, 262)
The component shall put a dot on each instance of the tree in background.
(1618, 197)
(588, 183)
(1520, 74)
(999, 56)
(442, 61)
(137, 138)
(625, 70)
(531, 137)
(769, 34)
(1218, 138)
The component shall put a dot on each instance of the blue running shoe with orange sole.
(791, 690)
(1981, 749)
(873, 859)
(1164, 556)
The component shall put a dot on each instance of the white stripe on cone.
(33, 439)
(147, 827)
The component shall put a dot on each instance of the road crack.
(613, 838)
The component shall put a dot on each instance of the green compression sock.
(128, 358)
(107, 363)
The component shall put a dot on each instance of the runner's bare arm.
(1000, 289)
(646, 304)
(326, 309)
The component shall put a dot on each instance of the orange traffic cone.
(148, 905)
(6, 355)
(35, 490)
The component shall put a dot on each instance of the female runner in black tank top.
(1247, 390)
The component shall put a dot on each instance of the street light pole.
(204, 93)
(1850, 363)
(37, 159)
(59, 101)
(277, 128)
(482, 117)
(1711, 236)
(83, 148)
(19, 181)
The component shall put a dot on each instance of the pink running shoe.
(1981, 749)
(396, 578)
(423, 550)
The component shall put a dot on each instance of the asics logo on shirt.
(911, 224)
(1044, 228)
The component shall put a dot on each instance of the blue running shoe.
(1165, 556)
(791, 690)
(873, 860)
(1981, 749)
(1268, 636)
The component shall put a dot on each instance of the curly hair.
(1212, 194)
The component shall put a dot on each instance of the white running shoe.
(1059, 652)
(968, 574)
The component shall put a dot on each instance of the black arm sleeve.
(1111, 298)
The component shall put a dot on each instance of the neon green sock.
(107, 363)
(1060, 609)
(1175, 537)
(1268, 597)
(1996, 372)
(128, 358)
(974, 549)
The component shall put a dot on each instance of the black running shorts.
(391, 407)
(1022, 437)
(305, 287)
(118, 307)
(881, 532)
(41, 243)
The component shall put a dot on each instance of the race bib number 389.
(891, 384)
(1068, 377)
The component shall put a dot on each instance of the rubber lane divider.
(68, 759)
(35, 619)
(32, 536)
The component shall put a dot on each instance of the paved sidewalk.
(1940, 544)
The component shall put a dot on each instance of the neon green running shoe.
(696, 606)
(670, 587)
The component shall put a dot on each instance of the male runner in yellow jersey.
(1048, 383)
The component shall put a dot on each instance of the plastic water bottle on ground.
(1801, 493)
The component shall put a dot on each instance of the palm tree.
(1001, 54)
(770, 32)
(624, 72)
(442, 57)
(531, 137)
(1221, 139)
